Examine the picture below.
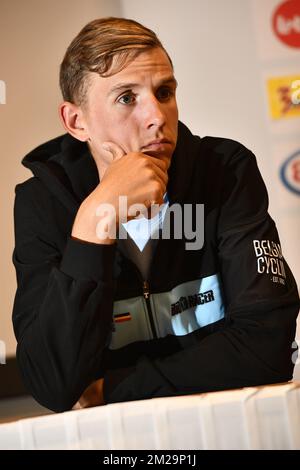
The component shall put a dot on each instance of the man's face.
(134, 108)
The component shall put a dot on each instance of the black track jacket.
(218, 317)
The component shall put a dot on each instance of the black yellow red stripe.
(120, 317)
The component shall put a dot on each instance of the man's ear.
(73, 121)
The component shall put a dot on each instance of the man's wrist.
(84, 260)
(94, 227)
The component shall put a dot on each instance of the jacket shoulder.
(225, 148)
(33, 197)
(33, 187)
(45, 150)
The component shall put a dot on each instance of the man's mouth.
(158, 145)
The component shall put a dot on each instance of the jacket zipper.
(146, 292)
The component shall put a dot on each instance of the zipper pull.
(146, 289)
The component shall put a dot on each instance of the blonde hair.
(104, 46)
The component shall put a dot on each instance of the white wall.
(34, 35)
(212, 46)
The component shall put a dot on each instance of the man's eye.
(129, 98)
(164, 94)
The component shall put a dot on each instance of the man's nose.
(153, 113)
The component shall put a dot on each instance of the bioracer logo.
(286, 23)
(184, 303)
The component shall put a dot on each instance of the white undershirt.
(143, 236)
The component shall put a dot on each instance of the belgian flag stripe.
(120, 317)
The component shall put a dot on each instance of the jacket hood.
(67, 168)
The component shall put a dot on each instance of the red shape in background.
(286, 23)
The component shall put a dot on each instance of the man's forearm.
(86, 225)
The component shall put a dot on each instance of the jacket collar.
(68, 169)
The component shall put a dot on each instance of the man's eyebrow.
(121, 86)
(129, 85)
(169, 81)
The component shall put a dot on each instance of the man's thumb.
(116, 151)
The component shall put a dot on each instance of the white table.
(250, 418)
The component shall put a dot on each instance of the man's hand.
(142, 178)
(92, 396)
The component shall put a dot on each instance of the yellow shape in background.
(280, 97)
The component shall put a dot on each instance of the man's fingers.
(162, 175)
(158, 162)
(93, 395)
(115, 149)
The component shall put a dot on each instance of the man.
(100, 318)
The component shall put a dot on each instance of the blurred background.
(237, 65)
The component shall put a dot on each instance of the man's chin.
(161, 156)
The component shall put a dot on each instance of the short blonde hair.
(104, 46)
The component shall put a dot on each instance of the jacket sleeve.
(255, 346)
(60, 328)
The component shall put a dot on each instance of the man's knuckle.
(156, 190)
(146, 163)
